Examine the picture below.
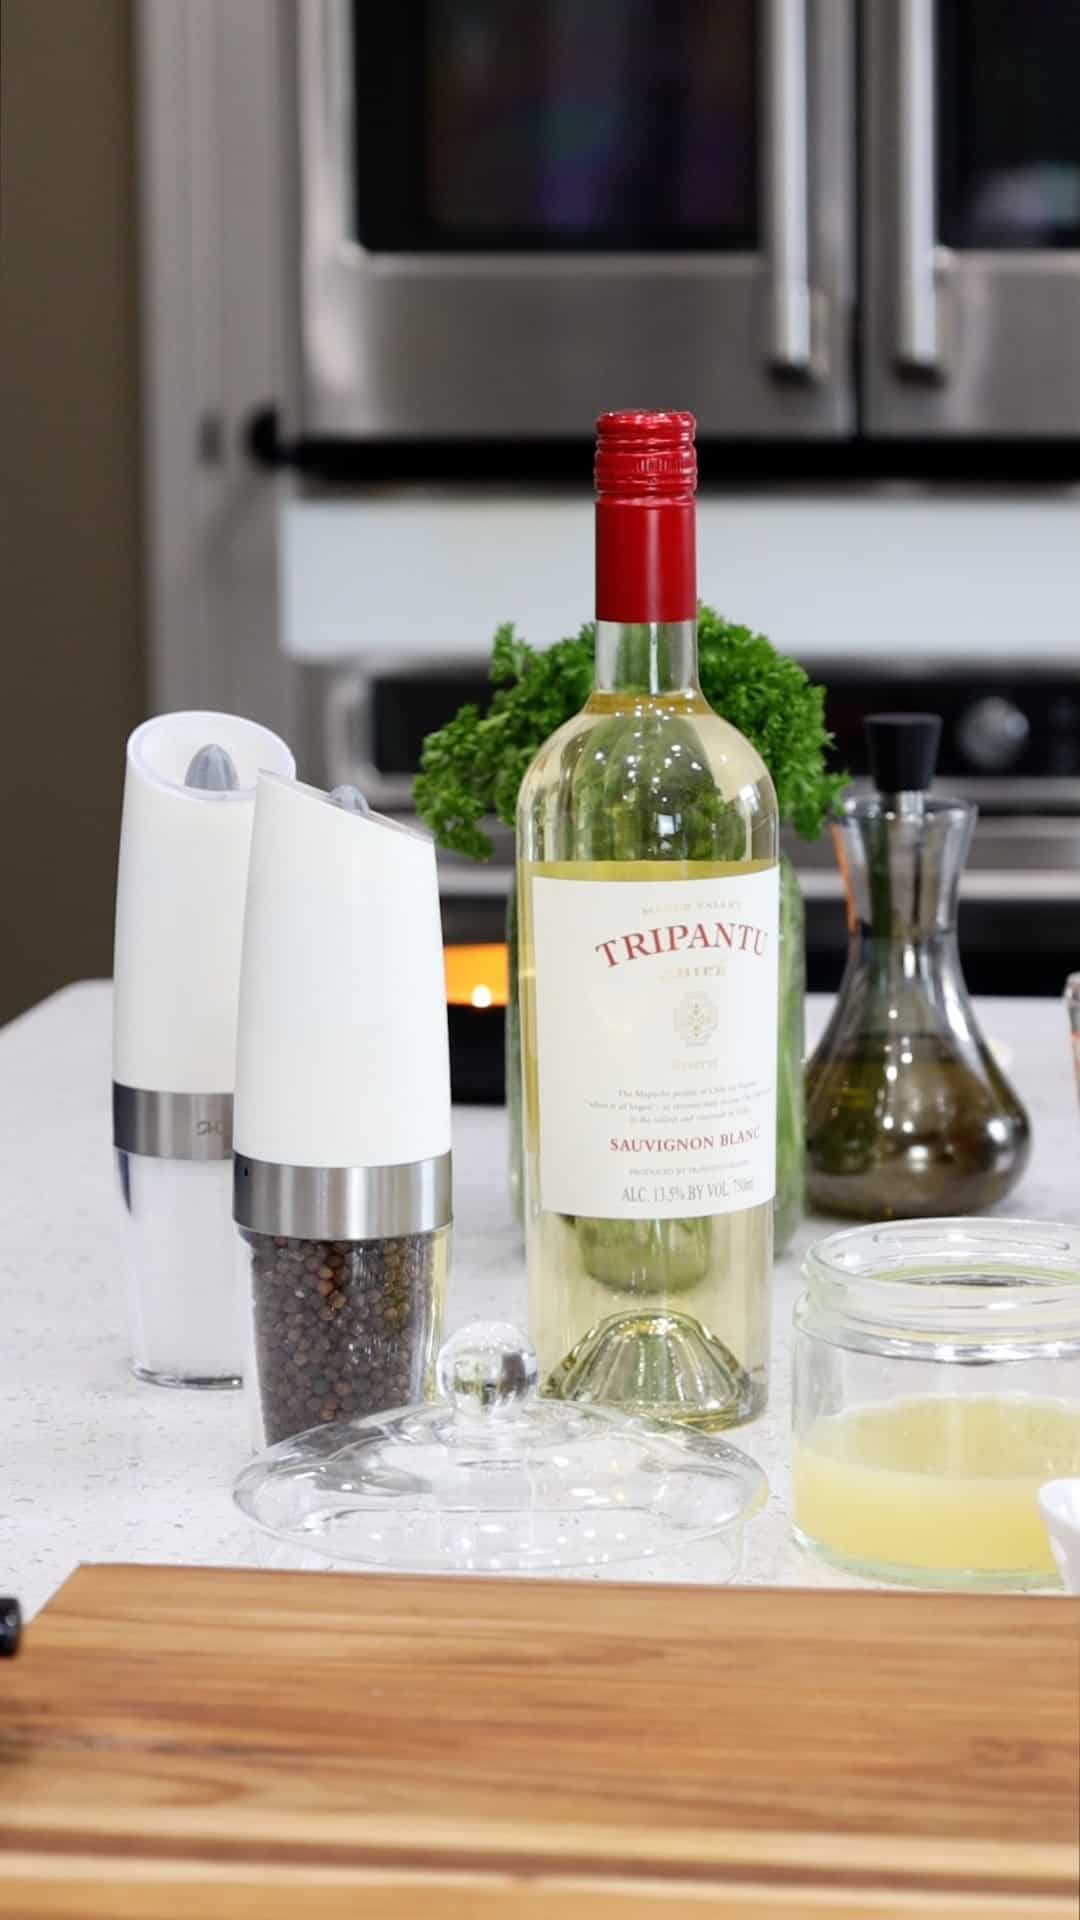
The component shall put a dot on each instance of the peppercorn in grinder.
(189, 802)
(342, 1144)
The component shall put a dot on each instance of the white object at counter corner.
(180, 901)
(342, 1047)
(1059, 1503)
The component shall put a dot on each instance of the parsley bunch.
(473, 767)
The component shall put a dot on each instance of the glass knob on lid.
(493, 1478)
(486, 1369)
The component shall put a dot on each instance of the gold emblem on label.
(696, 1019)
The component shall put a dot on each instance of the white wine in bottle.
(648, 898)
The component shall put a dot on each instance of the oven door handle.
(918, 330)
(786, 203)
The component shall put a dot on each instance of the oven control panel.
(1011, 726)
(1013, 738)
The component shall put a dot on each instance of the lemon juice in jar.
(937, 1387)
(948, 1485)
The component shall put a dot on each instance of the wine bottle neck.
(646, 594)
(646, 567)
(647, 656)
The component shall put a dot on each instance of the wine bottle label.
(656, 1021)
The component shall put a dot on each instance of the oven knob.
(992, 734)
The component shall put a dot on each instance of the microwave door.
(518, 212)
(971, 218)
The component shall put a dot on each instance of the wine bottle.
(648, 898)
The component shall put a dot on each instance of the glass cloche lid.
(490, 1478)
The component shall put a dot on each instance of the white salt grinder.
(189, 802)
(342, 1143)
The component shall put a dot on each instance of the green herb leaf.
(472, 768)
(772, 701)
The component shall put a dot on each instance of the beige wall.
(71, 674)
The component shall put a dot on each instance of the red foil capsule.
(646, 474)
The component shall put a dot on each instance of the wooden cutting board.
(180, 1741)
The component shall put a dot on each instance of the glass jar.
(790, 1105)
(936, 1388)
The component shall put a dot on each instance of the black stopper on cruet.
(10, 1625)
(903, 750)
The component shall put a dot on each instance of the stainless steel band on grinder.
(305, 1203)
(172, 1126)
(342, 1203)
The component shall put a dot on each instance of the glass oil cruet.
(908, 1113)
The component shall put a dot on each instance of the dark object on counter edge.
(10, 1626)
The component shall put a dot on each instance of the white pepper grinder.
(342, 1143)
(189, 802)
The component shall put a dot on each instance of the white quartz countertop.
(96, 1466)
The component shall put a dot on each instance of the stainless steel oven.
(971, 217)
(805, 219)
(517, 211)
